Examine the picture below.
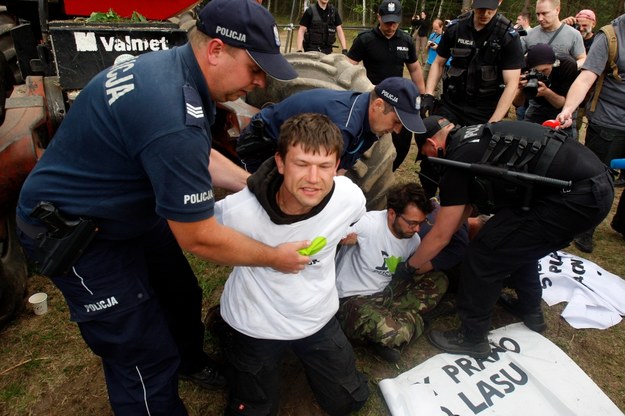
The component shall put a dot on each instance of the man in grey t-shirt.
(605, 135)
(563, 38)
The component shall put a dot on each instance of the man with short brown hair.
(295, 194)
(563, 38)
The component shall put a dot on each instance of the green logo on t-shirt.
(392, 262)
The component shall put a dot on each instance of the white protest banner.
(526, 374)
(596, 297)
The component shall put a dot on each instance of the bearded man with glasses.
(384, 312)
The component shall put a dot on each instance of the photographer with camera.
(545, 82)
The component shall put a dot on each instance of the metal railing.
(292, 29)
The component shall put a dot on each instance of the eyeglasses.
(414, 224)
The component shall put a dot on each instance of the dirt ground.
(46, 369)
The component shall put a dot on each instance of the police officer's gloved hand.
(404, 271)
(344, 51)
(427, 103)
(253, 147)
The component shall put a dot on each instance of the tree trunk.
(526, 6)
(466, 5)
(440, 8)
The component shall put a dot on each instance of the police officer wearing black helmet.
(487, 58)
(528, 223)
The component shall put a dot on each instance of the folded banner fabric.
(596, 297)
(526, 374)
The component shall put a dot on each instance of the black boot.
(456, 342)
(584, 241)
(534, 319)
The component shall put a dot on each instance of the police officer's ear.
(378, 104)
(213, 50)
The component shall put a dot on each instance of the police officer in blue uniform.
(132, 158)
(384, 51)
(530, 219)
(362, 118)
(486, 63)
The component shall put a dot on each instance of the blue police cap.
(403, 95)
(247, 25)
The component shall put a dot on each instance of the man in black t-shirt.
(527, 223)
(552, 79)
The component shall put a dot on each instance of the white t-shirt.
(263, 303)
(363, 269)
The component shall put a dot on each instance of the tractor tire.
(9, 71)
(13, 270)
(373, 172)
(13, 266)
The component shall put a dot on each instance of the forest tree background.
(354, 11)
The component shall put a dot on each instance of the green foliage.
(112, 16)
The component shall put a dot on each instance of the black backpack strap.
(555, 138)
(507, 142)
(492, 144)
(520, 148)
(533, 151)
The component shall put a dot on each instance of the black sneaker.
(533, 320)
(455, 342)
(209, 378)
(392, 355)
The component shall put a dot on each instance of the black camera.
(530, 90)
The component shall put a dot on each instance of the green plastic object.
(315, 247)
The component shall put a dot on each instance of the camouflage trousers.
(392, 317)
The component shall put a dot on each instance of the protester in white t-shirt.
(294, 195)
(376, 308)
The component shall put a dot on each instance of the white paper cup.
(39, 302)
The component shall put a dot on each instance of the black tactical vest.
(521, 147)
(474, 71)
(320, 35)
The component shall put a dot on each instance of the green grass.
(12, 391)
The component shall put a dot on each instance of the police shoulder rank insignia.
(194, 109)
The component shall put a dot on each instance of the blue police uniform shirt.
(348, 110)
(133, 149)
